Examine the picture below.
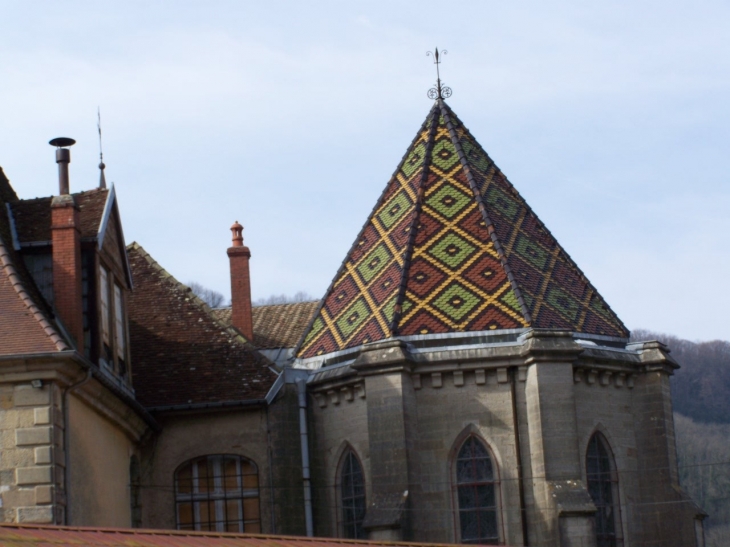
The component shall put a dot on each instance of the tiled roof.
(181, 353)
(26, 325)
(451, 246)
(33, 216)
(278, 325)
(26, 535)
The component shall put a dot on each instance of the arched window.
(603, 488)
(352, 496)
(476, 489)
(218, 493)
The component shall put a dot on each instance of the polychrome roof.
(451, 246)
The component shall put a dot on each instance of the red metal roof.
(15, 535)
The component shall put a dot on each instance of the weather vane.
(440, 91)
(102, 178)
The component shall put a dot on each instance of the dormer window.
(113, 322)
(121, 339)
(104, 293)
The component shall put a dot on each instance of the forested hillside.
(701, 398)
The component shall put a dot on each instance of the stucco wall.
(185, 436)
(98, 476)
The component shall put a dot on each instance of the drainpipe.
(66, 434)
(302, 392)
(518, 454)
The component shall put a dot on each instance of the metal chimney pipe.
(63, 158)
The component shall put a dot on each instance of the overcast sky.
(612, 119)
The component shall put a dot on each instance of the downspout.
(518, 455)
(302, 392)
(66, 444)
(271, 471)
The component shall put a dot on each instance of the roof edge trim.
(13, 230)
(101, 232)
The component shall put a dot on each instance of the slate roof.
(33, 216)
(26, 323)
(278, 325)
(26, 535)
(451, 246)
(181, 353)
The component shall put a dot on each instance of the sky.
(612, 120)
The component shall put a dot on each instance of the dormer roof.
(451, 246)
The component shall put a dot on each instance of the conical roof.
(451, 246)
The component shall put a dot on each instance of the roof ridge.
(173, 280)
(379, 201)
(539, 221)
(418, 206)
(445, 110)
(12, 274)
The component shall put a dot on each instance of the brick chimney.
(66, 239)
(241, 315)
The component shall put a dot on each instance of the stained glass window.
(477, 494)
(219, 493)
(352, 492)
(603, 488)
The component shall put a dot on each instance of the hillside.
(701, 388)
(701, 399)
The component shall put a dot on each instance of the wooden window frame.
(217, 497)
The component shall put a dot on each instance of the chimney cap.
(237, 230)
(62, 142)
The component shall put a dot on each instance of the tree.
(214, 299)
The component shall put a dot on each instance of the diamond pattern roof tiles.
(451, 246)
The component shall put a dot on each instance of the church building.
(460, 381)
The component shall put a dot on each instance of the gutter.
(201, 406)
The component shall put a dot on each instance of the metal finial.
(440, 91)
(102, 178)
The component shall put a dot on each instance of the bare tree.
(214, 299)
(300, 296)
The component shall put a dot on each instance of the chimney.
(239, 256)
(66, 239)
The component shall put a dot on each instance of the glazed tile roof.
(26, 323)
(27, 535)
(451, 246)
(33, 216)
(181, 353)
(278, 325)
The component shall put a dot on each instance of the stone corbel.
(458, 378)
(480, 377)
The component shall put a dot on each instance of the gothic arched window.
(477, 491)
(352, 496)
(219, 493)
(603, 487)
